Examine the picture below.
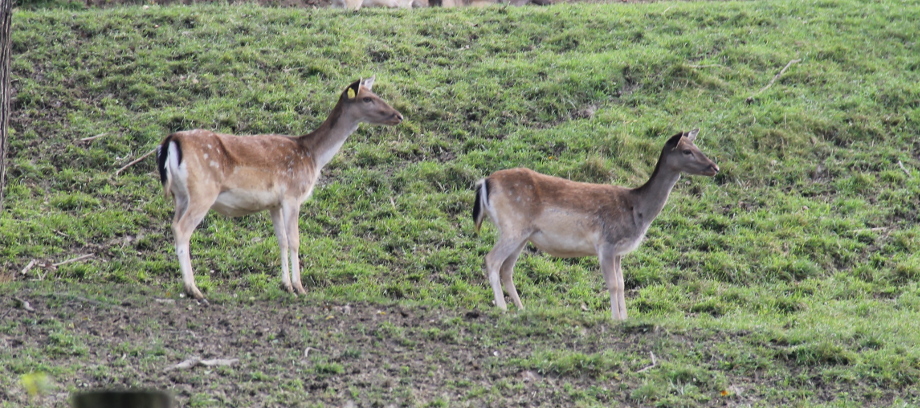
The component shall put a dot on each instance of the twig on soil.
(135, 161)
(654, 363)
(306, 352)
(195, 361)
(904, 168)
(86, 139)
(7, 312)
(185, 364)
(28, 267)
(24, 304)
(775, 77)
(219, 362)
(79, 258)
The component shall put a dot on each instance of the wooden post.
(6, 25)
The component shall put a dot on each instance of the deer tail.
(482, 200)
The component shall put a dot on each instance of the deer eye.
(687, 152)
(367, 100)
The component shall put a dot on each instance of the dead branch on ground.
(775, 77)
(79, 258)
(29, 266)
(195, 361)
(23, 304)
(654, 363)
(904, 168)
(86, 139)
(137, 160)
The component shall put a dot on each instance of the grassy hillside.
(805, 245)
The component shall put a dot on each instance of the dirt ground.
(292, 352)
(289, 352)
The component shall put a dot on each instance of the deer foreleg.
(281, 234)
(292, 221)
(610, 265)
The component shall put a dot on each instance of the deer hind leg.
(495, 260)
(292, 222)
(185, 221)
(277, 215)
(507, 275)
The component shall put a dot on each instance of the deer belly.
(235, 203)
(564, 245)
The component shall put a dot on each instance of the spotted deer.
(568, 219)
(240, 175)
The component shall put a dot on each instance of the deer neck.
(324, 142)
(653, 195)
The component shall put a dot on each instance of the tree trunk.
(6, 24)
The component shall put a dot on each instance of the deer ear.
(368, 83)
(352, 90)
(692, 135)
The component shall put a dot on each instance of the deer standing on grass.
(236, 175)
(569, 219)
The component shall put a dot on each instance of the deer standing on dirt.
(240, 175)
(569, 219)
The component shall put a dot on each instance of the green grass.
(807, 241)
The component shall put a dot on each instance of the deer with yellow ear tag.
(240, 175)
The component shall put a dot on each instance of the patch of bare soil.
(291, 352)
(288, 353)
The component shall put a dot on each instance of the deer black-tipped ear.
(368, 83)
(352, 91)
(692, 135)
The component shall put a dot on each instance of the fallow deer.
(240, 175)
(568, 219)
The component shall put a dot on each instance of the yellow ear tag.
(351, 93)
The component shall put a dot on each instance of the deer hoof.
(195, 293)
